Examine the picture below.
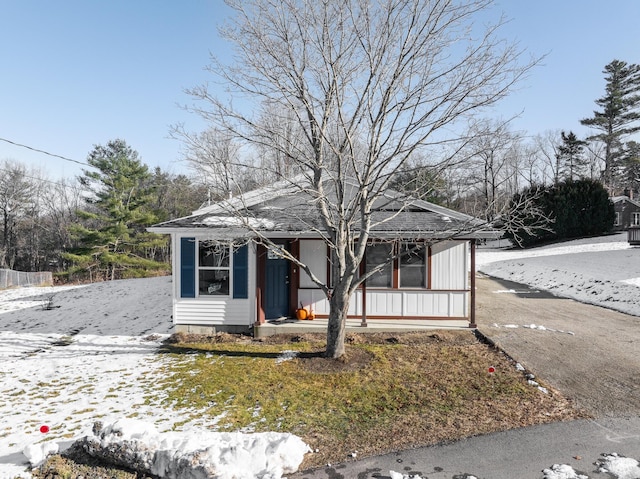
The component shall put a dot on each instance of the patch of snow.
(36, 454)
(562, 471)
(221, 455)
(56, 376)
(485, 257)
(259, 223)
(604, 271)
(287, 356)
(619, 466)
(398, 475)
(631, 281)
(534, 326)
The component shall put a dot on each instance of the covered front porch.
(295, 326)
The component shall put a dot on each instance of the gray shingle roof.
(278, 210)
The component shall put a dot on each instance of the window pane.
(213, 282)
(412, 266)
(214, 254)
(378, 254)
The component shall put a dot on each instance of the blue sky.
(76, 73)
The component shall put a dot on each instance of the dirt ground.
(591, 354)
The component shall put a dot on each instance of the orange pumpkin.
(302, 313)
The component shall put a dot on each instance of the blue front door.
(276, 289)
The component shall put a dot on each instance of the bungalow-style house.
(627, 213)
(227, 279)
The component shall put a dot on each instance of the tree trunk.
(339, 306)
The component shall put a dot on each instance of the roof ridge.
(251, 198)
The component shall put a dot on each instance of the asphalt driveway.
(589, 353)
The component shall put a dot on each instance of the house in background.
(226, 279)
(627, 213)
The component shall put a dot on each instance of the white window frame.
(635, 219)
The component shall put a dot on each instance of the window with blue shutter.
(241, 272)
(187, 267)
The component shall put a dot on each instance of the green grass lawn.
(389, 392)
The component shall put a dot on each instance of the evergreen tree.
(113, 238)
(632, 169)
(570, 155)
(421, 182)
(617, 118)
(577, 208)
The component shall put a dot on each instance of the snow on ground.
(69, 366)
(131, 307)
(616, 466)
(604, 271)
(91, 356)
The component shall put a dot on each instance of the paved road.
(589, 353)
(515, 454)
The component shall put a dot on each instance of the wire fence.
(10, 278)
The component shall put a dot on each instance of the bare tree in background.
(59, 208)
(493, 168)
(18, 199)
(547, 145)
(595, 152)
(532, 172)
(367, 84)
(215, 155)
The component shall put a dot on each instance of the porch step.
(294, 326)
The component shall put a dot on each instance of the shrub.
(576, 208)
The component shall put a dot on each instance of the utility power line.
(46, 152)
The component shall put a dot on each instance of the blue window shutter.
(187, 267)
(241, 272)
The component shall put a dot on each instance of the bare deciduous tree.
(365, 84)
(18, 198)
(547, 146)
(493, 169)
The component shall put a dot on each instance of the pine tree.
(113, 238)
(570, 155)
(632, 168)
(617, 118)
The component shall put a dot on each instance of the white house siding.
(449, 265)
(439, 304)
(313, 253)
(396, 303)
(447, 296)
(207, 312)
(210, 310)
